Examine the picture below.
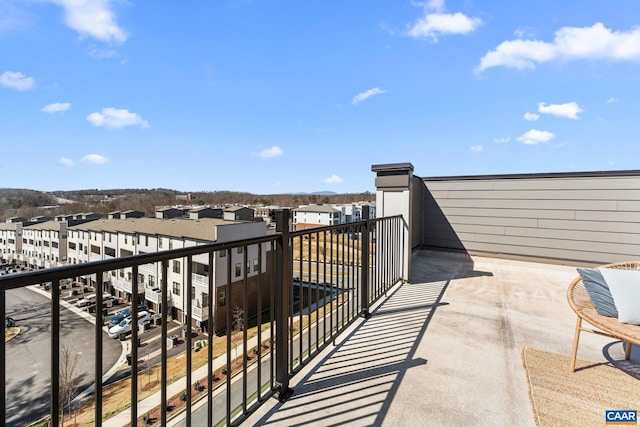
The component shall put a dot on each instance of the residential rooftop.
(444, 349)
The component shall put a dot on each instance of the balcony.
(261, 326)
(423, 319)
(446, 348)
(201, 314)
(153, 295)
(121, 284)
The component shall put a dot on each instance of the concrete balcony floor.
(442, 350)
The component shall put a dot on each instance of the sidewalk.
(153, 401)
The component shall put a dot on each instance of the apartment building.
(312, 216)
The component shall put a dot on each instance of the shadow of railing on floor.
(358, 380)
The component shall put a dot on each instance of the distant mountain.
(317, 193)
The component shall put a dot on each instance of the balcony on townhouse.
(437, 313)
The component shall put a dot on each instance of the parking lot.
(28, 354)
(82, 297)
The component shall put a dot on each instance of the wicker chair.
(581, 304)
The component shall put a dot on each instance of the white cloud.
(56, 107)
(93, 18)
(531, 117)
(502, 140)
(477, 148)
(95, 159)
(612, 100)
(16, 80)
(271, 152)
(96, 53)
(65, 161)
(114, 118)
(368, 94)
(569, 44)
(534, 136)
(333, 179)
(436, 22)
(569, 110)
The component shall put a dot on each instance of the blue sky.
(277, 96)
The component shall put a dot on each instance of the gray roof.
(204, 208)
(47, 225)
(9, 225)
(203, 229)
(316, 209)
(236, 208)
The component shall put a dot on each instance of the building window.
(159, 242)
(240, 249)
(126, 239)
(170, 243)
(146, 240)
(222, 298)
(176, 266)
(140, 278)
(222, 253)
(238, 269)
(152, 281)
(122, 272)
(255, 264)
(176, 288)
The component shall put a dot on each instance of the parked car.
(91, 299)
(123, 314)
(124, 327)
(86, 300)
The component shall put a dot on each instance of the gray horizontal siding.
(580, 218)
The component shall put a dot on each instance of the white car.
(124, 327)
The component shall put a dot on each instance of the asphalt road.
(28, 354)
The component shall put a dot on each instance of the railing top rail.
(339, 226)
(16, 280)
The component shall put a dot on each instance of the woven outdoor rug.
(562, 398)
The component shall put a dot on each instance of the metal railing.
(266, 323)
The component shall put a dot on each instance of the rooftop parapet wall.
(585, 218)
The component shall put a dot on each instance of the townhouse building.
(44, 244)
(104, 239)
(10, 241)
(238, 213)
(352, 212)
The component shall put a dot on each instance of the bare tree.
(68, 377)
(238, 326)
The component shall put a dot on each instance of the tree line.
(30, 203)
